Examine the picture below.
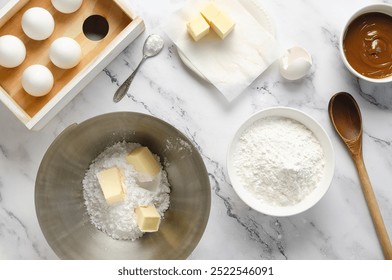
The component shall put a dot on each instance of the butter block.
(143, 161)
(112, 184)
(147, 218)
(198, 28)
(222, 25)
(209, 12)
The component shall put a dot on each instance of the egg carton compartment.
(103, 28)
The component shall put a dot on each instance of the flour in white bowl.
(119, 220)
(279, 160)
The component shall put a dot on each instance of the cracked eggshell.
(295, 64)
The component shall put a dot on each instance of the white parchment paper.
(232, 64)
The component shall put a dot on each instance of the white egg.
(37, 80)
(295, 64)
(65, 53)
(12, 51)
(37, 23)
(67, 6)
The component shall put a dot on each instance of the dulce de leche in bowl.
(366, 43)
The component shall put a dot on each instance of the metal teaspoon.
(152, 46)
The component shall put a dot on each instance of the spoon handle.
(123, 89)
(373, 207)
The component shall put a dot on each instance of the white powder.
(119, 220)
(279, 160)
(178, 144)
(183, 149)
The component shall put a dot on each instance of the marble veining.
(331, 37)
(19, 227)
(338, 227)
(113, 78)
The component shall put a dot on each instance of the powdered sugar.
(183, 149)
(119, 220)
(279, 160)
(178, 144)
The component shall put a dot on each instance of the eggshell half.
(295, 64)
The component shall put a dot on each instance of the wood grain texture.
(374, 209)
(346, 118)
(69, 25)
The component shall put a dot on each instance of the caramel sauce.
(368, 45)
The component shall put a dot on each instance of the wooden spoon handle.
(373, 208)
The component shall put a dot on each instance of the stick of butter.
(143, 161)
(147, 218)
(112, 184)
(209, 12)
(198, 27)
(218, 20)
(222, 25)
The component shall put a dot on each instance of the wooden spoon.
(346, 118)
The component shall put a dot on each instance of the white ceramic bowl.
(382, 8)
(320, 189)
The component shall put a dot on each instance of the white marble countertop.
(338, 227)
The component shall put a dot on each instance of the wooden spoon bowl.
(346, 117)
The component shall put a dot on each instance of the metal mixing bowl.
(59, 198)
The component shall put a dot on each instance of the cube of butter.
(143, 161)
(112, 184)
(222, 25)
(198, 28)
(147, 218)
(209, 12)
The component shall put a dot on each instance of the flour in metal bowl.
(119, 220)
(279, 160)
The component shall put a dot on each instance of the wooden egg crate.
(35, 112)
